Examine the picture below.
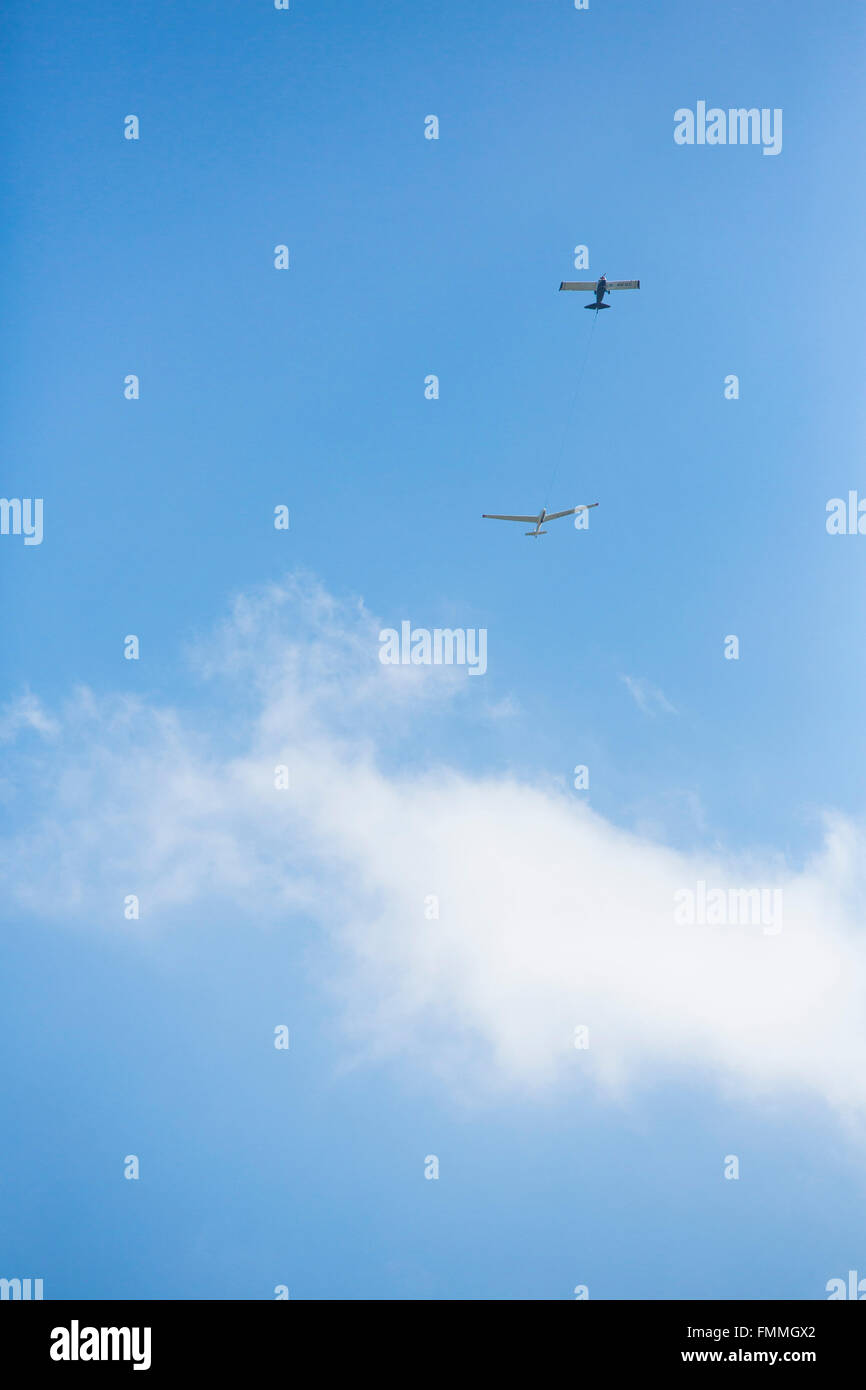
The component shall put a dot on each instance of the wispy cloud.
(647, 696)
(506, 708)
(547, 916)
(25, 712)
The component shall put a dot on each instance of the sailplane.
(539, 520)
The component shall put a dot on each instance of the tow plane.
(600, 287)
(539, 520)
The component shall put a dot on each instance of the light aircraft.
(602, 287)
(541, 518)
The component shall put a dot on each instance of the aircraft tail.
(535, 533)
(596, 306)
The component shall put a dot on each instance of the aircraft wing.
(491, 516)
(584, 506)
(623, 284)
(578, 285)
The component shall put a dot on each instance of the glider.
(600, 288)
(539, 520)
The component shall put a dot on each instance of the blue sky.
(306, 387)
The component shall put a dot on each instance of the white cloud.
(549, 915)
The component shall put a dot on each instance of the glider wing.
(584, 506)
